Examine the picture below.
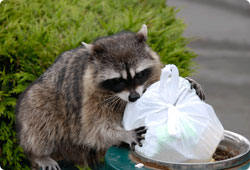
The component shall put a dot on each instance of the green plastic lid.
(117, 158)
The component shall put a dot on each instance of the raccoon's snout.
(133, 96)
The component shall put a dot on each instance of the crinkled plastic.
(181, 127)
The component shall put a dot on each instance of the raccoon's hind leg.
(46, 163)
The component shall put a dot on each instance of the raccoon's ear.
(89, 47)
(142, 34)
(98, 48)
(93, 48)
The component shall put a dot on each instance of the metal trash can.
(120, 158)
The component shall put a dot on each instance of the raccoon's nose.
(133, 96)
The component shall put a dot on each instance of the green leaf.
(23, 76)
(19, 88)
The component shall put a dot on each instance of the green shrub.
(34, 32)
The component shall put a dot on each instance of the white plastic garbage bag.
(181, 127)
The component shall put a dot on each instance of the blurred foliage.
(34, 32)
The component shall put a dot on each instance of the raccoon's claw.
(47, 164)
(141, 130)
(138, 136)
(53, 167)
(197, 87)
(132, 146)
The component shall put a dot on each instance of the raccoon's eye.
(116, 85)
(142, 76)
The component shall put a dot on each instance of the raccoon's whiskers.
(112, 102)
(115, 103)
(109, 99)
(119, 104)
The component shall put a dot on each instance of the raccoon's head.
(124, 65)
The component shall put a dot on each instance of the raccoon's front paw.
(136, 136)
(197, 87)
(46, 163)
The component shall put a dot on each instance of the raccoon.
(74, 110)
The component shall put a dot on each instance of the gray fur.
(66, 115)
